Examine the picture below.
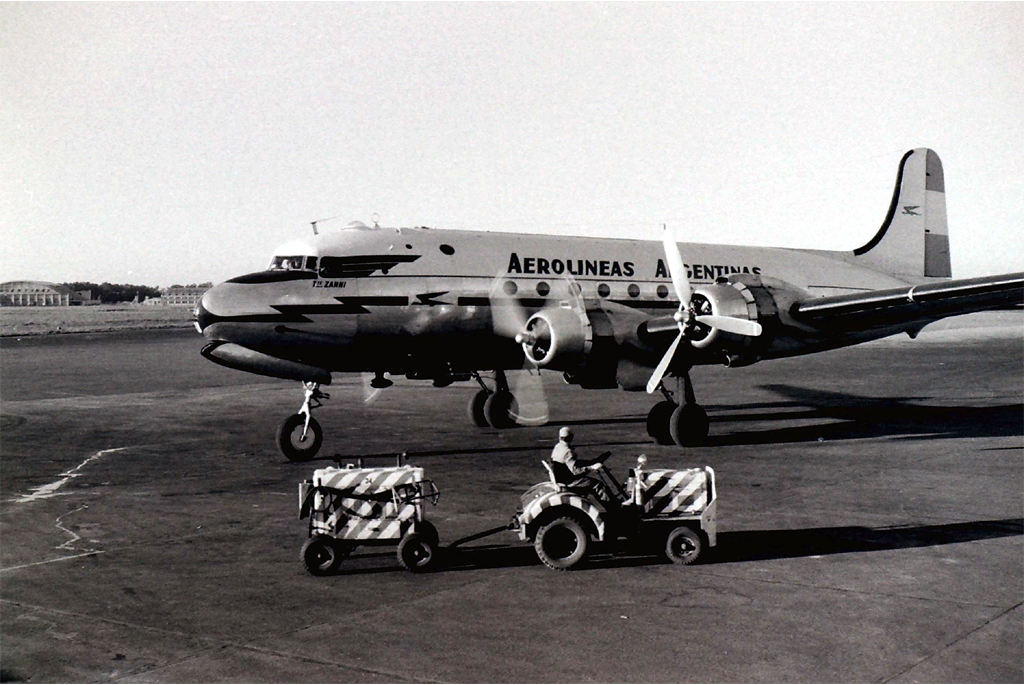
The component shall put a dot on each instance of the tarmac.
(871, 525)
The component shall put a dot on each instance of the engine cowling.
(557, 338)
(721, 299)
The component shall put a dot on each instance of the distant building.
(34, 294)
(183, 295)
(83, 297)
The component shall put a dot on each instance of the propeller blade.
(652, 384)
(731, 324)
(508, 317)
(528, 389)
(676, 269)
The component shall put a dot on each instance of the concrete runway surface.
(871, 525)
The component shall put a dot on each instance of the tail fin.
(913, 240)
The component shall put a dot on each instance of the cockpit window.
(296, 263)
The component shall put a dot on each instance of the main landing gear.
(674, 424)
(299, 438)
(495, 408)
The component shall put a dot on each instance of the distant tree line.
(111, 293)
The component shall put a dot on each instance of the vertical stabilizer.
(913, 239)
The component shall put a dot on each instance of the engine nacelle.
(721, 299)
(557, 338)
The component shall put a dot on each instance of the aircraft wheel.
(683, 546)
(658, 422)
(689, 425)
(320, 556)
(418, 553)
(475, 408)
(291, 443)
(499, 409)
(561, 544)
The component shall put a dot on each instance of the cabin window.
(510, 288)
(447, 249)
(662, 291)
(603, 290)
(633, 290)
(543, 289)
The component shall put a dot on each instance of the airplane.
(449, 306)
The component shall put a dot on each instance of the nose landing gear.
(299, 438)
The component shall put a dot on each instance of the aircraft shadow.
(848, 417)
(455, 452)
(733, 547)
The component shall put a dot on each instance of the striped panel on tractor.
(669, 491)
(538, 506)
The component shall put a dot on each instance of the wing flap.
(926, 302)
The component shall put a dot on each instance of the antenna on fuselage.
(314, 223)
(375, 218)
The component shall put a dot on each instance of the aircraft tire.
(475, 408)
(683, 546)
(418, 553)
(499, 410)
(688, 426)
(658, 422)
(561, 544)
(288, 438)
(320, 556)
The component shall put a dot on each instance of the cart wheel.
(683, 546)
(427, 530)
(291, 442)
(320, 556)
(561, 544)
(417, 553)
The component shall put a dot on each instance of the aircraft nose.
(201, 316)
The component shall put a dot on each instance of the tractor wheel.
(293, 445)
(418, 553)
(562, 543)
(475, 408)
(683, 546)
(427, 530)
(320, 556)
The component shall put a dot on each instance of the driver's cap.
(565, 432)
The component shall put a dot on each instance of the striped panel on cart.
(342, 519)
(366, 529)
(367, 490)
(675, 492)
(539, 505)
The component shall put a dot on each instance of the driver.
(574, 472)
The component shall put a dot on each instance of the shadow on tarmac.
(734, 547)
(759, 545)
(475, 450)
(853, 417)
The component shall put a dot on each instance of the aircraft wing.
(925, 303)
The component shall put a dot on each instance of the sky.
(158, 143)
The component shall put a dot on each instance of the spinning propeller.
(686, 317)
(509, 320)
